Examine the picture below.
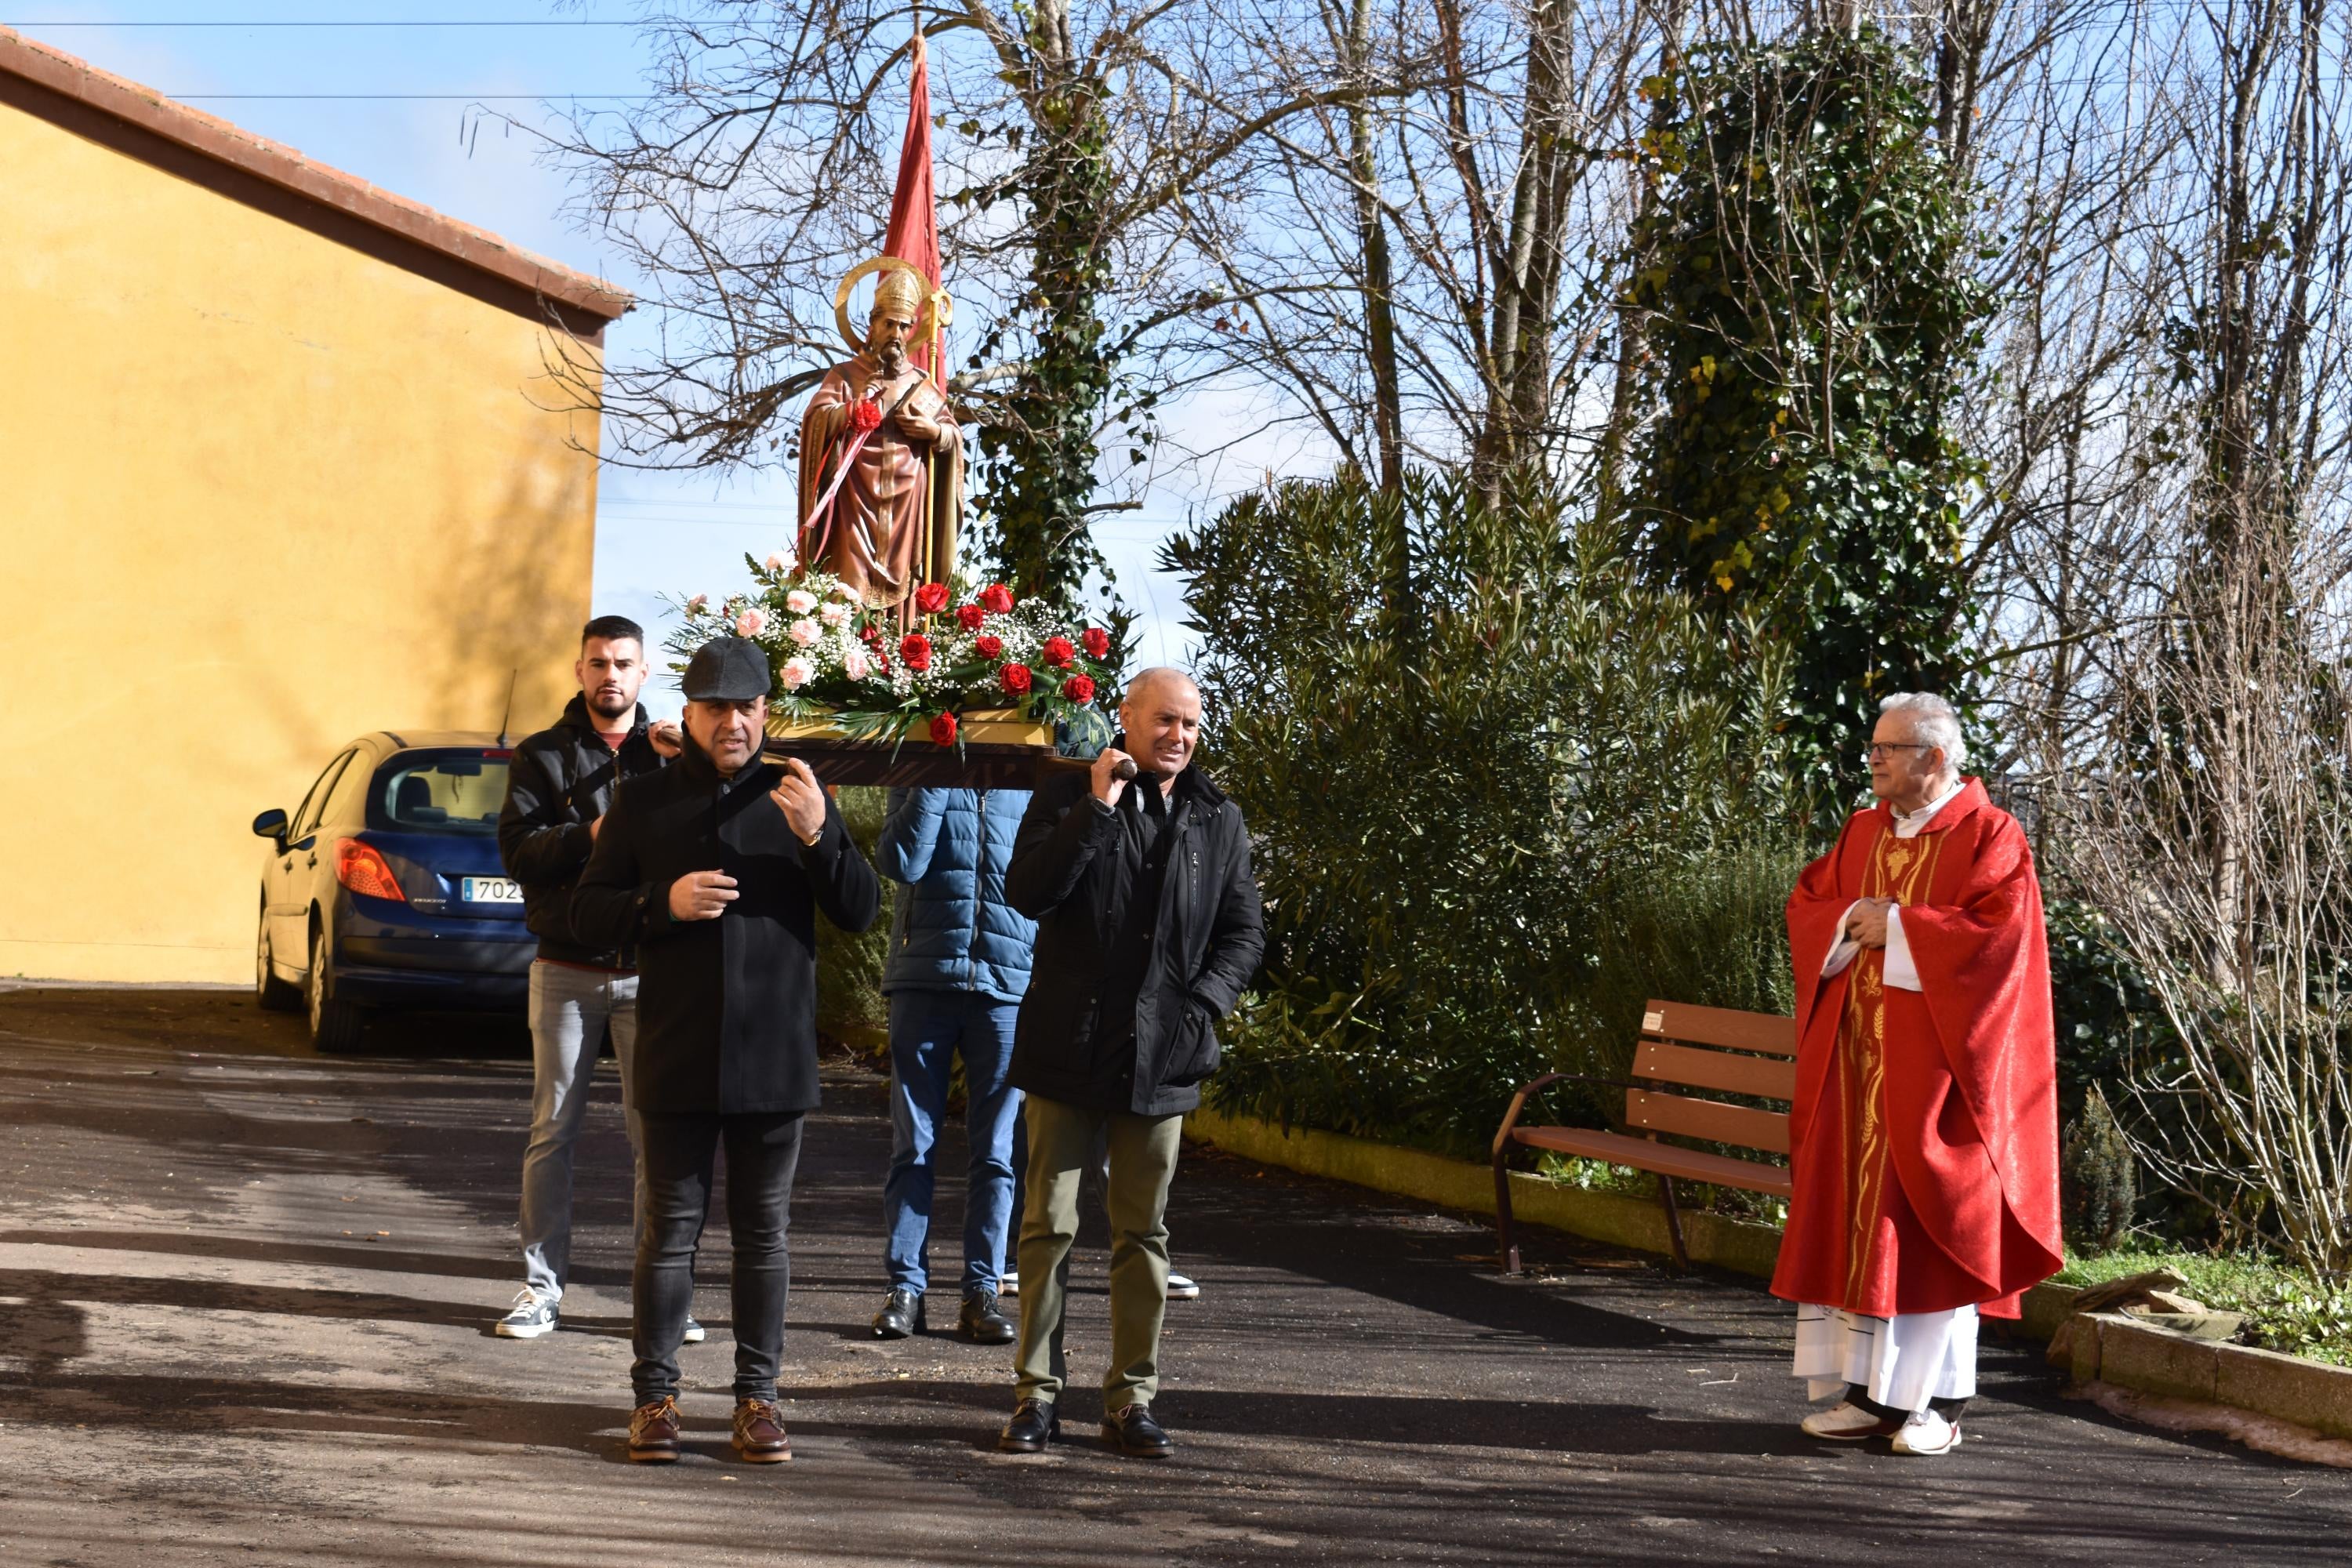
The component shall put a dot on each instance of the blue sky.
(395, 106)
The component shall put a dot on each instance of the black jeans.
(763, 1153)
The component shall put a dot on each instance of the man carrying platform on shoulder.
(1149, 927)
(715, 869)
(558, 786)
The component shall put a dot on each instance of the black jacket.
(1076, 866)
(726, 1007)
(559, 781)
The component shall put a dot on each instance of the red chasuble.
(1924, 1137)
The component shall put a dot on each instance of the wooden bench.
(1682, 1048)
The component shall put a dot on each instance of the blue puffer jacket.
(954, 931)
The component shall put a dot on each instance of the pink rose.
(698, 603)
(796, 673)
(804, 632)
(855, 664)
(836, 614)
(799, 601)
(751, 622)
(778, 561)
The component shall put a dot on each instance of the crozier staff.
(1924, 1136)
(714, 870)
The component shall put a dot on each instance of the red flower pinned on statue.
(865, 414)
(969, 616)
(931, 598)
(943, 730)
(1079, 688)
(1058, 652)
(1096, 641)
(988, 647)
(996, 599)
(1014, 678)
(917, 651)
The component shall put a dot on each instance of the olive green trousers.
(1062, 1140)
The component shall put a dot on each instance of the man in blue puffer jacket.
(958, 965)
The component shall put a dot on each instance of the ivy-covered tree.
(1801, 278)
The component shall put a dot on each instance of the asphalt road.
(245, 1295)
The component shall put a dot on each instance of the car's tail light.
(361, 869)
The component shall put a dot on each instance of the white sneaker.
(530, 1316)
(1181, 1289)
(1846, 1421)
(1927, 1433)
(1008, 1283)
(695, 1333)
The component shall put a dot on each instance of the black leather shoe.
(901, 1315)
(984, 1322)
(1134, 1433)
(1033, 1424)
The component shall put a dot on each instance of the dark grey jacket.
(559, 782)
(1076, 866)
(726, 1007)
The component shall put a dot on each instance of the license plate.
(490, 890)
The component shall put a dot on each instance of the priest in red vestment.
(1924, 1137)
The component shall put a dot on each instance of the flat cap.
(726, 669)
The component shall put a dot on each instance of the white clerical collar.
(1909, 824)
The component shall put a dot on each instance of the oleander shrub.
(1494, 780)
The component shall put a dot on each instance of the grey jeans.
(570, 1010)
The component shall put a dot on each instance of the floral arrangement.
(836, 661)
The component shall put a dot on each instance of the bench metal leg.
(1503, 1237)
(1673, 1221)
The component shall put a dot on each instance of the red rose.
(1097, 642)
(1015, 678)
(865, 414)
(1058, 652)
(870, 632)
(988, 647)
(917, 651)
(944, 729)
(996, 599)
(970, 616)
(931, 598)
(1079, 688)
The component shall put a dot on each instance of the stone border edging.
(1611, 1217)
(2118, 1352)
(2111, 1348)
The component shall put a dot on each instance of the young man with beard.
(715, 870)
(558, 785)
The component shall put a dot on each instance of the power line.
(540, 21)
(407, 97)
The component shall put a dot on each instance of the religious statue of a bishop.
(881, 461)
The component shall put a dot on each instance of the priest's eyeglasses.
(1877, 749)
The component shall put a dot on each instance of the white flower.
(799, 601)
(854, 663)
(804, 632)
(796, 673)
(836, 614)
(779, 561)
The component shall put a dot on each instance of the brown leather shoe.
(653, 1433)
(760, 1432)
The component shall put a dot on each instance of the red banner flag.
(914, 235)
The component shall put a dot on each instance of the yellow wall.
(259, 493)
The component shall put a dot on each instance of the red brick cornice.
(217, 139)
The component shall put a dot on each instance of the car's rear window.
(440, 792)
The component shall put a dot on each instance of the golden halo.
(937, 307)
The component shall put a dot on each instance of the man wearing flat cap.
(713, 869)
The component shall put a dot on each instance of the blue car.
(383, 889)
